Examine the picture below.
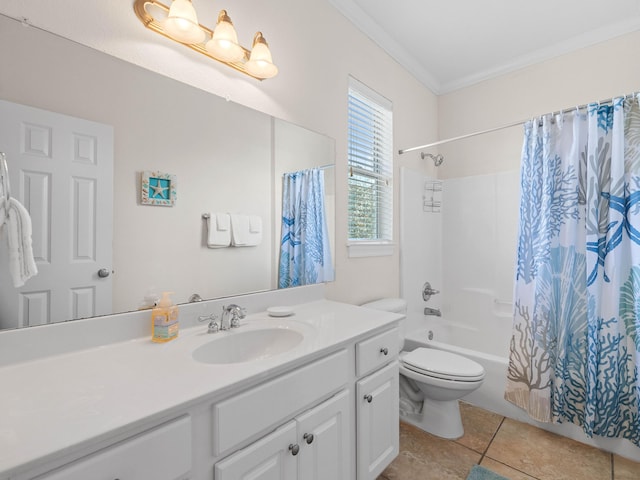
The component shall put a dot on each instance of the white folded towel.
(255, 231)
(255, 224)
(246, 230)
(218, 231)
(17, 223)
(222, 222)
(239, 230)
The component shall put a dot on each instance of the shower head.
(437, 159)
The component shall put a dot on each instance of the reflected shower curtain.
(576, 345)
(305, 254)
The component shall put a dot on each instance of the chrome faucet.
(214, 326)
(235, 312)
(432, 311)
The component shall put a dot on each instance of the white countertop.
(58, 403)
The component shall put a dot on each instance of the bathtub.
(490, 348)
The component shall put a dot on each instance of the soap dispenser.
(164, 320)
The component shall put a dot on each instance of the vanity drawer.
(163, 453)
(242, 416)
(370, 353)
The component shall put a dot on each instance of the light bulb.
(182, 23)
(224, 42)
(260, 64)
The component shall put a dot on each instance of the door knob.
(103, 273)
(294, 449)
(368, 398)
(308, 437)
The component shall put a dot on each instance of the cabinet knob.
(294, 449)
(384, 351)
(308, 437)
(368, 398)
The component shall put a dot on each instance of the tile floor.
(512, 449)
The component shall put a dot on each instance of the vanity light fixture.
(179, 22)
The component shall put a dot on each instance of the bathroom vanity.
(309, 396)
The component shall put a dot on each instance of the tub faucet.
(432, 311)
(235, 312)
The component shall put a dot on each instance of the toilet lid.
(441, 364)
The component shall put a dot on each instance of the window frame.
(375, 168)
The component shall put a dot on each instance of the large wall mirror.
(225, 158)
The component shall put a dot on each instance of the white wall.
(590, 74)
(316, 48)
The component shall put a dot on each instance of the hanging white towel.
(218, 231)
(255, 231)
(255, 224)
(17, 223)
(246, 230)
(239, 230)
(222, 222)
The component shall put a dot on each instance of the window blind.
(370, 158)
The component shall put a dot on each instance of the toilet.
(431, 382)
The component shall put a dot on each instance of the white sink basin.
(246, 346)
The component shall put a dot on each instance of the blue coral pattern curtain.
(576, 342)
(305, 253)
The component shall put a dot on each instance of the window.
(370, 157)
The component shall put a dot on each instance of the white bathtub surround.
(92, 388)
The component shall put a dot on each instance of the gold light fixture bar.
(148, 20)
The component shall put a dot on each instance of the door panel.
(57, 164)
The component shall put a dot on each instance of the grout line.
(613, 472)
(484, 453)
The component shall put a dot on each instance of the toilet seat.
(443, 365)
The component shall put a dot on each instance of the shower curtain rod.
(502, 127)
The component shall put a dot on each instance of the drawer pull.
(308, 437)
(294, 449)
(384, 351)
(368, 398)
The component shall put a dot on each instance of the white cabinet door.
(323, 436)
(270, 458)
(377, 421)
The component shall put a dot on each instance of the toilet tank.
(394, 305)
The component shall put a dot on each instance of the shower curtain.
(305, 254)
(576, 335)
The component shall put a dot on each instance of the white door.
(61, 170)
(271, 458)
(325, 444)
(378, 423)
